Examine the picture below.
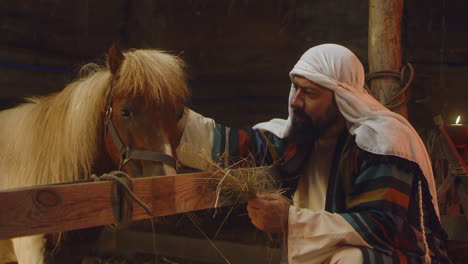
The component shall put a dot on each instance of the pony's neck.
(57, 138)
(103, 163)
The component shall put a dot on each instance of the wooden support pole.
(385, 17)
(58, 208)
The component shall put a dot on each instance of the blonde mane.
(57, 138)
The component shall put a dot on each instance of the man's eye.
(310, 93)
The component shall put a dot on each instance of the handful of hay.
(243, 181)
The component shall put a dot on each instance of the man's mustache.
(304, 129)
(298, 112)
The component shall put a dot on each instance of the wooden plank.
(461, 191)
(187, 248)
(58, 208)
(445, 186)
(454, 152)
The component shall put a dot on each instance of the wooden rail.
(187, 248)
(58, 208)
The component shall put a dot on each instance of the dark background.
(239, 52)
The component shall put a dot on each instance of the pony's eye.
(126, 113)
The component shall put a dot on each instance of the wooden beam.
(187, 248)
(385, 18)
(58, 208)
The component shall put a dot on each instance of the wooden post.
(385, 18)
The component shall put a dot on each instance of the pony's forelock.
(157, 75)
(159, 78)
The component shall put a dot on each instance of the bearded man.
(358, 175)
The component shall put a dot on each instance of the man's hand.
(269, 212)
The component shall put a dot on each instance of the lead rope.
(123, 211)
(122, 206)
(427, 258)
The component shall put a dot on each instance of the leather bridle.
(126, 153)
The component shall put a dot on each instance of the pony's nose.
(157, 169)
(169, 170)
(151, 168)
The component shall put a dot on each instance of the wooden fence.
(63, 207)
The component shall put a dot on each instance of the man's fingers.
(253, 212)
(255, 219)
(255, 203)
(260, 203)
(254, 216)
(257, 225)
(268, 197)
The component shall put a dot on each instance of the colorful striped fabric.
(382, 205)
(232, 145)
(377, 195)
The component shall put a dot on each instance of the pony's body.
(60, 138)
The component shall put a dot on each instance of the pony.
(91, 127)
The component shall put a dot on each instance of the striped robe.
(377, 195)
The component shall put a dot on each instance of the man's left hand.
(269, 212)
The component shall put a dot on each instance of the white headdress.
(377, 129)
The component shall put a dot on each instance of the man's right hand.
(269, 212)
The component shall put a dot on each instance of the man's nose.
(298, 100)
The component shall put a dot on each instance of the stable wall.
(239, 52)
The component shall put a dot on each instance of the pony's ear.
(115, 58)
(181, 54)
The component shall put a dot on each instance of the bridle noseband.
(127, 153)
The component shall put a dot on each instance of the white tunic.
(311, 189)
(314, 234)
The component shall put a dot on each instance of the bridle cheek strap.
(127, 154)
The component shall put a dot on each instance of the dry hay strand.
(242, 181)
(236, 184)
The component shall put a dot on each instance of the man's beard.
(306, 130)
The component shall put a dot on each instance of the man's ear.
(115, 58)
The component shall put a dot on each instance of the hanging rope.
(427, 257)
(122, 197)
(401, 97)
